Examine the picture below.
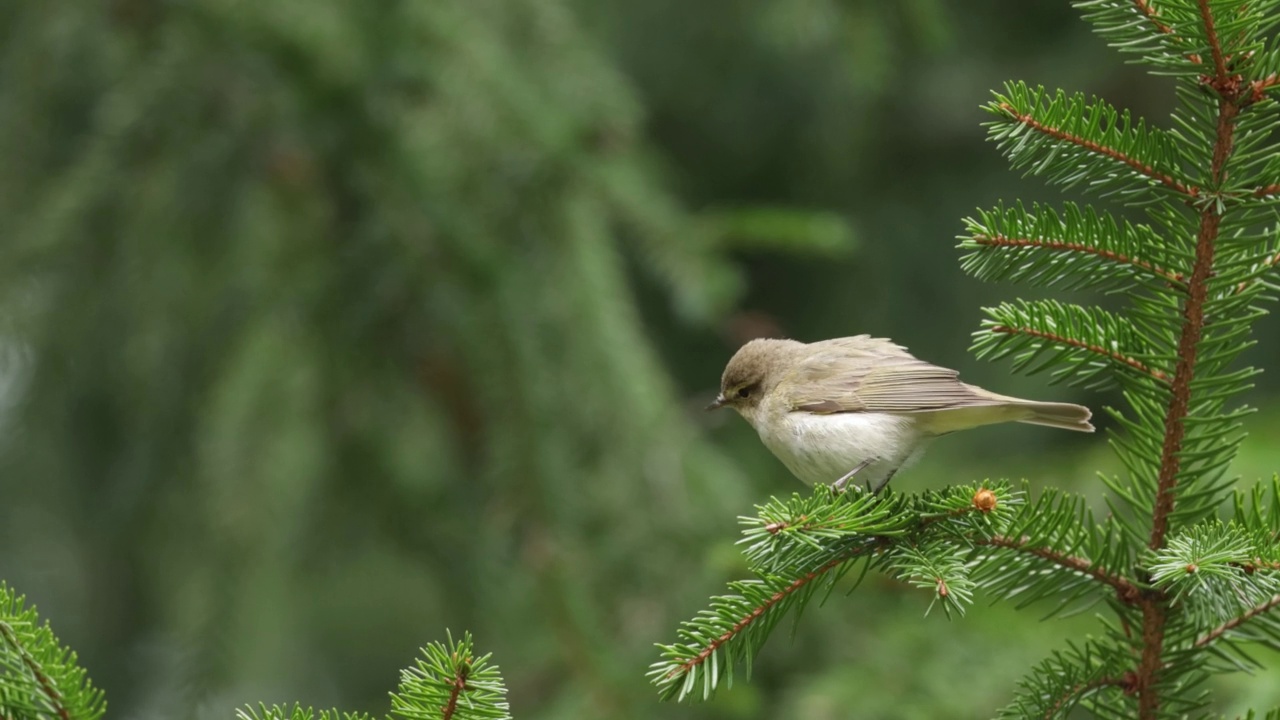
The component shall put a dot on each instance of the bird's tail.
(1058, 415)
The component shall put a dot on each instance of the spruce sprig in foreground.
(1185, 565)
(448, 682)
(40, 679)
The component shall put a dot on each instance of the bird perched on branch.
(863, 407)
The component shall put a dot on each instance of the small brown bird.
(862, 406)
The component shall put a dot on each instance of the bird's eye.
(744, 392)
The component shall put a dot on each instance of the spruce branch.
(447, 683)
(1145, 7)
(52, 699)
(1125, 590)
(1054, 550)
(1138, 26)
(938, 566)
(1215, 46)
(1192, 327)
(1056, 136)
(787, 536)
(735, 627)
(802, 545)
(1155, 611)
(1075, 248)
(1082, 345)
(1172, 34)
(1212, 569)
(1230, 625)
(946, 541)
(450, 682)
(1065, 679)
(38, 676)
(1081, 690)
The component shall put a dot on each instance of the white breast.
(823, 448)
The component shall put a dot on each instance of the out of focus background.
(328, 326)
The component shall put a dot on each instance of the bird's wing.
(865, 374)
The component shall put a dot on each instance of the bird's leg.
(840, 484)
(880, 486)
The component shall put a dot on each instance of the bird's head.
(753, 372)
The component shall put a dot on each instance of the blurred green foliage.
(327, 326)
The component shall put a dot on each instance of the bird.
(863, 407)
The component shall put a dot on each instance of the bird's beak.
(716, 404)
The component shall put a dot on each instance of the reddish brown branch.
(1154, 607)
(459, 686)
(1192, 330)
(1082, 689)
(1215, 47)
(1057, 246)
(1145, 7)
(1096, 349)
(1154, 615)
(1236, 622)
(55, 698)
(1188, 345)
(1267, 190)
(1148, 10)
(759, 611)
(1126, 591)
(1167, 180)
